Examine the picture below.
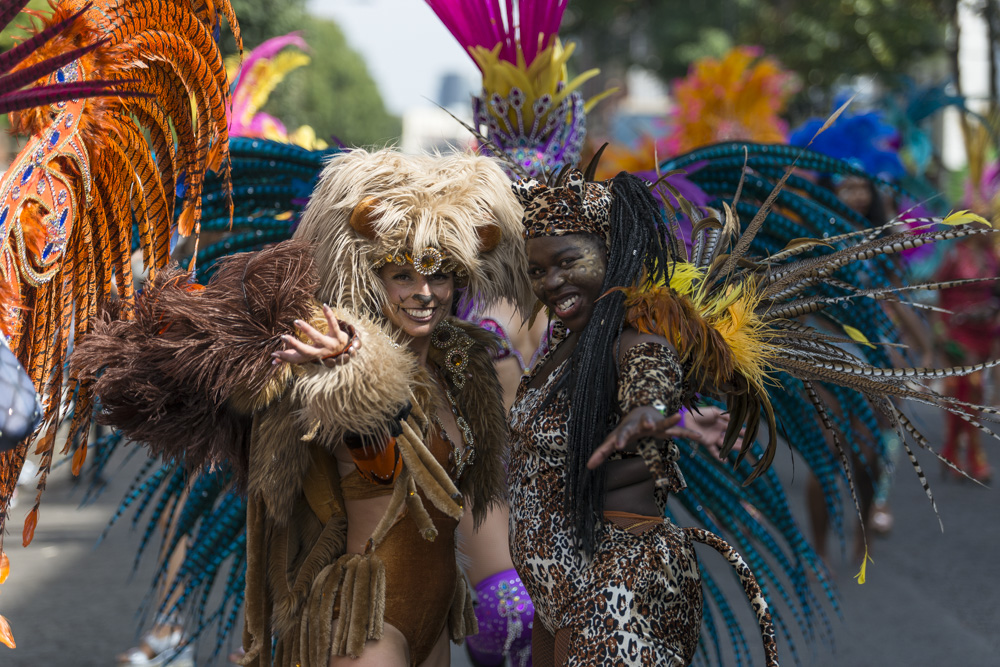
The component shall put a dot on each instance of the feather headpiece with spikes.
(451, 212)
(534, 115)
(69, 198)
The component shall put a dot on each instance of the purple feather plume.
(487, 23)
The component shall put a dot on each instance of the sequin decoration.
(456, 344)
(428, 261)
(45, 185)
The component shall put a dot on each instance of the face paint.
(567, 273)
(417, 303)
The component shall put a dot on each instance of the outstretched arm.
(639, 423)
(650, 388)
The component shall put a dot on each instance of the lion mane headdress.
(442, 213)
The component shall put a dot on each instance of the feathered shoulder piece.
(534, 114)
(187, 372)
(740, 321)
(69, 198)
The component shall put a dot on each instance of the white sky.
(405, 45)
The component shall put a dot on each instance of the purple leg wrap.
(504, 612)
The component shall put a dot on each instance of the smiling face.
(417, 303)
(567, 273)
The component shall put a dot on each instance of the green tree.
(262, 19)
(821, 41)
(334, 93)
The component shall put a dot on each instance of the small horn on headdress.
(363, 217)
(490, 236)
(591, 170)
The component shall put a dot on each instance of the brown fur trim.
(429, 475)
(324, 551)
(179, 375)
(339, 644)
(362, 395)
(418, 513)
(462, 620)
(257, 610)
(481, 403)
(400, 488)
(421, 201)
(320, 620)
(362, 596)
(279, 459)
(360, 605)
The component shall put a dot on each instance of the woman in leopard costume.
(613, 582)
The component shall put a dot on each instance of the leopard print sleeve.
(651, 373)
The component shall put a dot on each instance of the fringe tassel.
(462, 620)
(362, 587)
(428, 473)
(415, 505)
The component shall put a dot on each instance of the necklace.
(458, 459)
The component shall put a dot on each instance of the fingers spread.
(303, 348)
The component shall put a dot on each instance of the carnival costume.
(596, 609)
(106, 76)
(272, 182)
(735, 323)
(450, 214)
(527, 106)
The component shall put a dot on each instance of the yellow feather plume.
(543, 77)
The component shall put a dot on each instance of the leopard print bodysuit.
(637, 601)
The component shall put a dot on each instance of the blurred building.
(435, 128)
(974, 64)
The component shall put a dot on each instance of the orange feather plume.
(92, 166)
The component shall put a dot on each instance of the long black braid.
(638, 248)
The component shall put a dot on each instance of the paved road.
(931, 598)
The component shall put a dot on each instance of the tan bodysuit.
(420, 574)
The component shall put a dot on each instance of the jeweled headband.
(572, 206)
(426, 261)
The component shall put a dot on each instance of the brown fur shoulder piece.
(481, 403)
(361, 396)
(186, 373)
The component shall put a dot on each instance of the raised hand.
(709, 426)
(335, 347)
(642, 422)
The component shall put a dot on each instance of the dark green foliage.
(334, 93)
(262, 19)
(819, 40)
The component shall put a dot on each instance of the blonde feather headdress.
(370, 208)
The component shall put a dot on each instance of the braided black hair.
(638, 249)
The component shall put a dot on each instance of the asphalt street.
(931, 598)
